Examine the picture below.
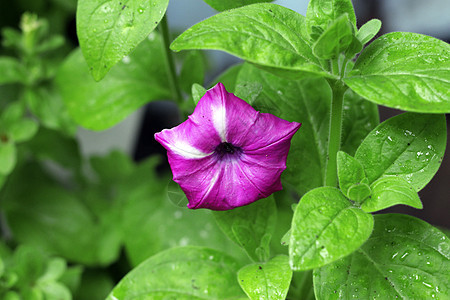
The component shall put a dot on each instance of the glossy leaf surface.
(110, 30)
(368, 31)
(321, 12)
(326, 227)
(266, 281)
(404, 258)
(222, 5)
(410, 146)
(389, 191)
(264, 34)
(403, 70)
(181, 273)
(138, 79)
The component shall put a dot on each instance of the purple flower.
(226, 154)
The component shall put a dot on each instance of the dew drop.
(141, 10)
(404, 255)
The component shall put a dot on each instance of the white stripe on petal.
(219, 121)
(187, 151)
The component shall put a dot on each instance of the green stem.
(334, 141)
(170, 65)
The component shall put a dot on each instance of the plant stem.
(170, 65)
(334, 140)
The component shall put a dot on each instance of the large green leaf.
(222, 5)
(108, 31)
(410, 146)
(138, 79)
(325, 227)
(403, 70)
(251, 226)
(321, 12)
(308, 102)
(265, 34)
(181, 273)
(405, 258)
(269, 280)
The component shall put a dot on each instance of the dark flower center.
(227, 151)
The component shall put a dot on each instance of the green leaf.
(42, 213)
(138, 79)
(308, 102)
(351, 177)
(222, 5)
(368, 31)
(108, 31)
(321, 12)
(176, 195)
(264, 34)
(326, 227)
(23, 130)
(192, 70)
(151, 223)
(251, 226)
(404, 258)
(335, 39)
(410, 146)
(8, 156)
(12, 71)
(389, 191)
(269, 280)
(403, 70)
(47, 105)
(197, 92)
(181, 273)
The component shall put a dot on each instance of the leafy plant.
(107, 227)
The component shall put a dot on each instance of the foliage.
(76, 227)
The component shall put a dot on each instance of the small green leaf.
(403, 70)
(197, 92)
(12, 71)
(249, 226)
(351, 175)
(181, 273)
(334, 40)
(222, 5)
(23, 130)
(326, 227)
(322, 12)
(8, 156)
(355, 47)
(264, 34)
(192, 70)
(108, 31)
(269, 280)
(176, 195)
(389, 191)
(404, 258)
(368, 31)
(359, 191)
(138, 79)
(410, 146)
